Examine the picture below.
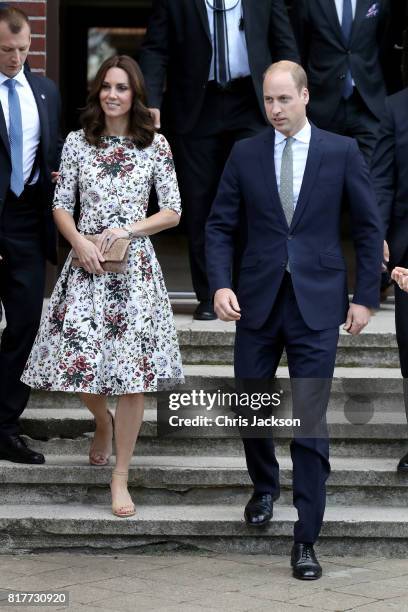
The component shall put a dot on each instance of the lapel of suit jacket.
(362, 7)
(314, 158)
(202, 10)
(40, 98)
(3, 131)
(329, 9)
(267, 160)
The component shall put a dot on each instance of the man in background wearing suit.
(29, 149)
(341, 44)
(213, 54)
(390, 176)
(292, 285)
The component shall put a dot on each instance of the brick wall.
(37, 12)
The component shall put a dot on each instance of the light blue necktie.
(346, 26)
(15, 138)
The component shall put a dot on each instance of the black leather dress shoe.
(304, 563)
(403, 465)
(14, 448)
(259, 509)
(204, 311)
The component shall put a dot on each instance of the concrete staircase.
(190, 492)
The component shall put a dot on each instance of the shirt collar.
(303, 135)
(20, 78)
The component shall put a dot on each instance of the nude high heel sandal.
(96, 457)
(122, 511)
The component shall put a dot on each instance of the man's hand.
(54, 177)
(357, 318)
(155, 113)
(89, 256)
(386, 256)
(400, 275)
(226, 305)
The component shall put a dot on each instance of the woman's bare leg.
(101, 447)
(128, 420)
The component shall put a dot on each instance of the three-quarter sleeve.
(67, 184)
(164, 176)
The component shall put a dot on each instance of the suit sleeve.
(154, 53)
(366, 229)
(301, 29)
(383, 167)
(222, 225)
(281, 38)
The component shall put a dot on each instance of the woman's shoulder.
(76, 137)
(160, 143)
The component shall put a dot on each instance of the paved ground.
(181, 582)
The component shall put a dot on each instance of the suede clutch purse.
(116, 257)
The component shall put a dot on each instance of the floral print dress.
(110, 334)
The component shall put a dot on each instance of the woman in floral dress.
(108, 333)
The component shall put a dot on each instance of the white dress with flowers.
(110, 334)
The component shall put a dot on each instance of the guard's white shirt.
(237, 48)
(300, 149)
(339, 8)
(30, 119)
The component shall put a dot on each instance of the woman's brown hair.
(141, 124)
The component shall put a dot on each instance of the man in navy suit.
(390, 176)
(29, 153)
(292, 287)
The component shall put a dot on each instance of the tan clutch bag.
(116, 257)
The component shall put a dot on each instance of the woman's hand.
(89, 255)
(108, 237)
(400, 275)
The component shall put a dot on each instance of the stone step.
(194, 480)
(380, 387)
(394, 445)
(212, 342)
(69, 431)
(358, 530)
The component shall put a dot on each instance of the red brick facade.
(37, 12)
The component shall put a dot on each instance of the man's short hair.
(14, 17)
(298, 74)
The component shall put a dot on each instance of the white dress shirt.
(30, 119)
(300, 149)
(339, 8)
(237, 48)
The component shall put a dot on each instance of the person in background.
(389, 171)
(212, 55)
(342, 45)
(30, 148)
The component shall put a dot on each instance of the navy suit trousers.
(311, 355)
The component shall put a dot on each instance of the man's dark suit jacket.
(390, 174)
(311, 244)
(178, 46)
(325, 54)
(48, 104)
